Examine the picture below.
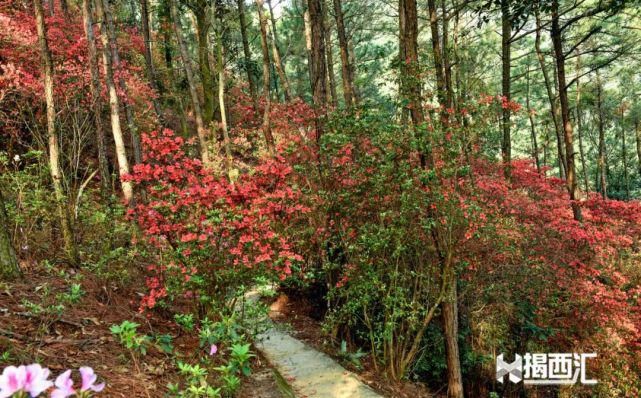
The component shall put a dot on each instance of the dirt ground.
(80, 336)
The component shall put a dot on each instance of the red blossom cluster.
(207, 224)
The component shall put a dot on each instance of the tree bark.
(436, 52)
(568, 133)
(129, 113)
(347, 68)
(535, 147)
(149, 61)
(203, 134)
(318, 65)
(223, 111)
(331, 77)
(450, 330)
(624, 155)
(103, 164)
(247, 53)
(579, 124)
(554, 109)
(278, 62)
(9, 266)
(506, 59)
(637, 129)
(64, 219)
(202, 34)
(267, 130)
(114, 105)
(602, 161)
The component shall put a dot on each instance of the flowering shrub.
(33, 381)
(214, 235)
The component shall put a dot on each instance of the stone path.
(310, 373)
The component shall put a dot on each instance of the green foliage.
(186, 321)
(353, 358)
(196, 384)
(128, 336)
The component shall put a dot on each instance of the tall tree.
(9, 266)
(278, 62)
(568, 132)
(122, 84)
(202, 131)
(200, 9)
(64, 219)
(152, 76)
(267, 130)
(506, 60)
(114, 105)
(554, 108)
(347, 68)
(94, 86)
(331, 78)
(247, 53)
(318, 66)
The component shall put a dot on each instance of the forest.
(320, 198)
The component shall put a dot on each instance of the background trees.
(421, 135)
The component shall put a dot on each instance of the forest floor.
(42, 321)
(302, 320)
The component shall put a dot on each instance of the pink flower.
(213, 349)
(36, 379)
(89, 380)
(64, 386)
(12, 380)
(31, 379)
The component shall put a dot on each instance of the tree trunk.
(247, 53)
(410, 71)
(601, 162)
(54, 151)
(203, 134)
(436, 52)
(221, 105)
(9, 266)
(506, 59)
(554, 109)
(202, 34)
(579, 124)
(267, 130)
(450, 330)
(535, 147)
(129, 114)
(624, 155)
(318, 65)
(149, 61)
(347, 68)
(637, 129)
(331, 78)
(103, 164)
(278, 63)
(568, 133)
(114, 105)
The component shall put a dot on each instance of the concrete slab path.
(310, 373)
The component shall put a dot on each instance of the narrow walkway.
(310, 373)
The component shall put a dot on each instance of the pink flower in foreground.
(12, 380)
(64, 386)
(36, 379)
(213, 349)
(31, 379)
(89, 380)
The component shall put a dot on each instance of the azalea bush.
(213, 235)
(33, 381)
